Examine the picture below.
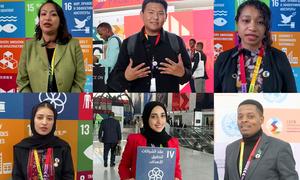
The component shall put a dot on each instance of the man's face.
(249, 120)
(103, 32)
(154, 17)
(199, 47)
(192, 44)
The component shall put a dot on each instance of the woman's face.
(251, 28)
(49, 19)
(157, 119)
(43, 121)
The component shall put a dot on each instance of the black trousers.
(192, 85)
(112, 148)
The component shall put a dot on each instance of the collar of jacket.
(162, 35)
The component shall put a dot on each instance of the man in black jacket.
(199, 76)
(152, 60)
(110, 135)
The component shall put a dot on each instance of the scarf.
(153, 137)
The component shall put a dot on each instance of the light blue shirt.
(112, 53)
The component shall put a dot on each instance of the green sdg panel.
(85, 150)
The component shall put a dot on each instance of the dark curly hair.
(63, 35)
(266, 14)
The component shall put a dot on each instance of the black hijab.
(41, 141)
(152, 136)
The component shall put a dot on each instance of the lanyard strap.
(46, 165)
(241, 157)
(255, 72)
(245, 171)
(52, 63)
(157, 38)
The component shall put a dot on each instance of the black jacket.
(280, 77)
(143, 53)
(196, 62)
(64, 170)
(109, 131)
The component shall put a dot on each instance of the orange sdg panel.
(11, 132)
(86, 45)
(10, 52)
(288, 42)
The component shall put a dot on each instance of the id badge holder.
(153, 85)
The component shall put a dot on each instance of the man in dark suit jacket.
(257, 156)
(110, 135)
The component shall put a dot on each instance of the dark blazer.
(276, 161)
(281, 78)
(109, 131)
(127, 165)
(143, 53)
(64, 170)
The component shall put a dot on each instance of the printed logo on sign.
(8, 61)
(8, 91)
(5, 168)
(292, 59)
(56, 99)
(2, 106)
(274, 126)
(156, 174)
(229, 125)
(218, 48)
(87, 101)
(80, 24)
(274, 97)
(8, 28)
(286, 20)
(220, 21)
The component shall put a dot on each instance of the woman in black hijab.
(153, 135)
(43, 156)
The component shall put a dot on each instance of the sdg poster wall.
(74, 125)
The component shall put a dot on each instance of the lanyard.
(52, 63)
(245, 171)
(157, 38)
(255, 72)
(153, 63)
(46, 164)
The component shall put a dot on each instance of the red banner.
(180, 102)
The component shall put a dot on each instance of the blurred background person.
(110, 135)
(198, 70)
(113, 45)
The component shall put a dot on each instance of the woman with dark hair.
(153, 135)
(253, 66)
(53, 61)
(43, 155)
